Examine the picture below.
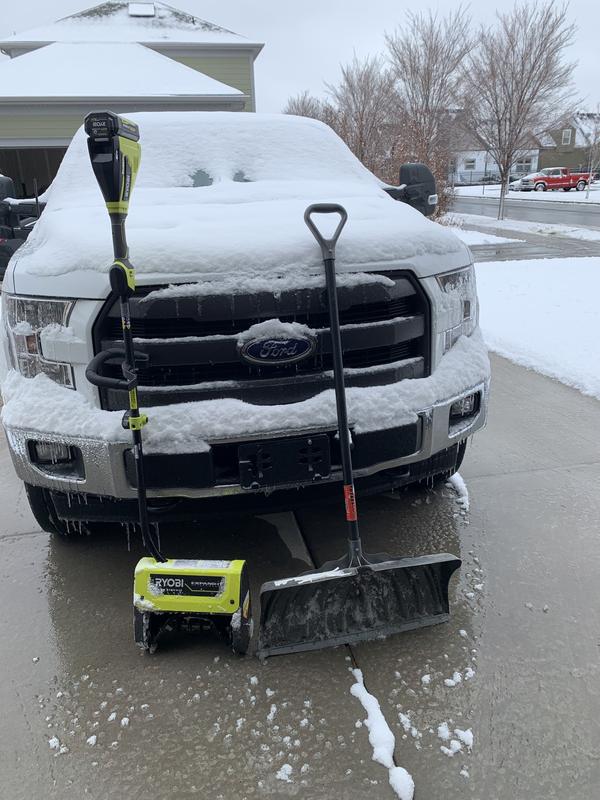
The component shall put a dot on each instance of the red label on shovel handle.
(351, 515)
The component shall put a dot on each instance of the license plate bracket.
(276, 462)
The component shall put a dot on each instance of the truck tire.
(580, 186)
(43, 510)
(540, 187)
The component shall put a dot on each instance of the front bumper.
(105, 468)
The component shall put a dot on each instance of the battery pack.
(188, 586)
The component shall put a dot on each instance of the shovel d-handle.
(327, 245)
(95, 369)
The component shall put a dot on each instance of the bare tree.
(426, 55)
(304, 105)
(516, 81)
(362, 109)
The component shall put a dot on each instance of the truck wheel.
(580, 186)
(42, 509)
(540, 187)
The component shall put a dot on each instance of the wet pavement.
(522, 647)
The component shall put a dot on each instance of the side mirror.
(417, 188)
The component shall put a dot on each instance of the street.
(193, 720)
(533, 210)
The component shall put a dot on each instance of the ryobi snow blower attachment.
(360, 596)
(176, 593)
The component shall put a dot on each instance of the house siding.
(38, 126)
(234, 71)
(564, 155)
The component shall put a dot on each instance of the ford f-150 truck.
(554, 178)
(231, 315)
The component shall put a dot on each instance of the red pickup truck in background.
(554, 178)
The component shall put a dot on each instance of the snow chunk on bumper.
(43, 406)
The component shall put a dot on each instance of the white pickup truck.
(231, 312)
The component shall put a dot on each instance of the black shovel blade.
(343, 605)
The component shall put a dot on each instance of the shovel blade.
(345, 604)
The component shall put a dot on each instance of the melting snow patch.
(455, 747)
(125, 722)
(54, 743)
(457, 483)
(443, 731)
(272, 712)
(426, 679)
(464, 772)
(284, 773)
(466, 737)
(454, 680)
(469, 673)
(382, 739)
(91, 740)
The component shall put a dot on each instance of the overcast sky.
(306, 42)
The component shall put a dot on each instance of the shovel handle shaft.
(340, 400)
(328, 250)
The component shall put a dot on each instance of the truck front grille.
(193, 352)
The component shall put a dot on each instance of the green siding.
(234, 71)
(32, 126)
(564, 155)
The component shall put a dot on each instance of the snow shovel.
(359, 597)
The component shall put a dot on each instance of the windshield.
(206, 151)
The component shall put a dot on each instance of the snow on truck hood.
(225, 193)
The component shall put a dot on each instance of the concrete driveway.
(194, 721)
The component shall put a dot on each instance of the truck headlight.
(461, 290)
(25, 318)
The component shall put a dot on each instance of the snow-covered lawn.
(476, 237)
(544, 314)
(572, 231)
(493, 190)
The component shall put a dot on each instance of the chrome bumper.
(104, 462)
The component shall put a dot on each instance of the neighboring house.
(472, 163)
(125, 56)
(569, 145)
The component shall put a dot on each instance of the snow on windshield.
(178, 149)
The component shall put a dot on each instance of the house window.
(566, 136)
(523, 166)
(469, 163)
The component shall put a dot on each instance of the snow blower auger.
(359, 597)
(178, 593)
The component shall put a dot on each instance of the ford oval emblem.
(278, 351)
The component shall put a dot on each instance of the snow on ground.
(476, 237)
(546, 229)
(493, 190)
(382, 739)
(544, 314)
(457, 483)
